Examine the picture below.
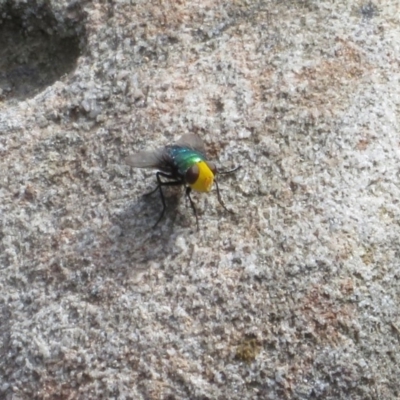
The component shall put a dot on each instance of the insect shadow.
(128, 244)
(143, 213)
(136, 243)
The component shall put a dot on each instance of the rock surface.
(295, 296)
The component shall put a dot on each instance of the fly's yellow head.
(200, 176)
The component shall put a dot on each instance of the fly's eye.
(192, 174)
(212, 167)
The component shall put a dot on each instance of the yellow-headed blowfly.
(183, 163)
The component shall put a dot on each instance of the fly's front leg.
(218, 192)
(188, 191)
(220, 198)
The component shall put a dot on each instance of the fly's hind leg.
(159, 186)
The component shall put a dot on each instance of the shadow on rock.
(132, 242)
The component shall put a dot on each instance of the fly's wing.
(147, 159)
(192, 141)
(162, 158)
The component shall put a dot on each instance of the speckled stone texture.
(296, 295)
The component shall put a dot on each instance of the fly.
(183, 163)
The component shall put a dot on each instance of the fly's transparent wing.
(193, 141)
(162, 158)
(146, 159)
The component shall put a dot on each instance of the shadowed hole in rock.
(36, 48)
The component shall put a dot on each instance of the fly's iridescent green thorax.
(184, 157)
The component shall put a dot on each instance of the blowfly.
(183, 163)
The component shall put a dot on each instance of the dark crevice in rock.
(37, 47)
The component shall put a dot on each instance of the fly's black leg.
(153, 191)
(160, 183)
(220, 199)
(219, 193)
(229, 171)
(174, 182)
(188, 191)
(162, 199)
